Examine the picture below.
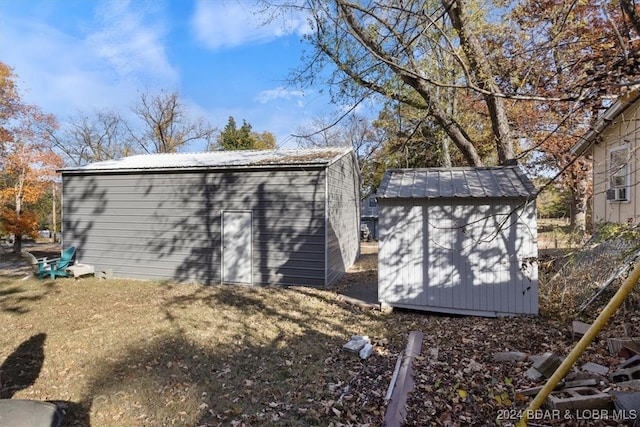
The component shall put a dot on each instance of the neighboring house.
(369, 215)
(615, 141)
(458, 240)
(248, 217)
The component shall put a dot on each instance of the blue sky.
(82, 55)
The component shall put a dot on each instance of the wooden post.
(397, 410)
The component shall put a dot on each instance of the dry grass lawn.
(137, 353)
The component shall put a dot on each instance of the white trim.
(592, 135)
(626, 188)
(326, 226)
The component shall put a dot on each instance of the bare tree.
(100, 136)
(354, 131)
(167, 126)
(398, 49)
(385, 48)
(507, 73)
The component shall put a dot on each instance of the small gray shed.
(247, 217)
(458, 240)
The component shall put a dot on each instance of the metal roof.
(219, 159)
(431, 183)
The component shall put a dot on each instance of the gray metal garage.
(247, 217)
(459, 240)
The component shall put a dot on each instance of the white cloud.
(57, 72)
(131, 44)
(102, 68)
(278, 93)
(225, 24)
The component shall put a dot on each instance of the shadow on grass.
(174, 381)
(17, 296)
(22, 367)
(257, 356)
(252, 300)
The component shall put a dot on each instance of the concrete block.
(627, 352)
(630, 363)
(595, 368)
(581, 383)
(547, 364)
(580, 328)
(579, 398)
(354, 346)
(510, 356)
(568, 384)
(366, 351)
(356, 343)
(81, 270)
(627, 374)
(104, 273)
(628, 405)
(533, 374)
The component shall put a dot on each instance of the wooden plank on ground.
(397, 409)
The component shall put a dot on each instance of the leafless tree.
(352, 130)
(94, 137)
(167, 126)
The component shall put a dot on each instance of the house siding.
(459, 257)
(343, 216)
(624, 131)
(167, 225)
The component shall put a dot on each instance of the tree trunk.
(17, 244)
(629, 8)
(447, 122)
(579, 205)
(54, 218)
(446, 154)
(17, 240)
(481, 68)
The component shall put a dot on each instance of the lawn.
(126, 353)
(140, 353)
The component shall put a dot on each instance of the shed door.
(236, 247)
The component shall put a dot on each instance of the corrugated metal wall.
(343, 217)
(469, 257)
(167, 225)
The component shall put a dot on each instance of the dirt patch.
(364, 271)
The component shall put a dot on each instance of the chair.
(40, 266)
(52, 267)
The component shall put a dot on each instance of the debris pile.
(591, 391)
(485, 372)
(359, 344)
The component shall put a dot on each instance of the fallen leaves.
(227, 356)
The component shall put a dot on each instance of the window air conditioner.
(617, 194)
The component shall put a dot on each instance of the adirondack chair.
(39, 265)
(52, 267)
